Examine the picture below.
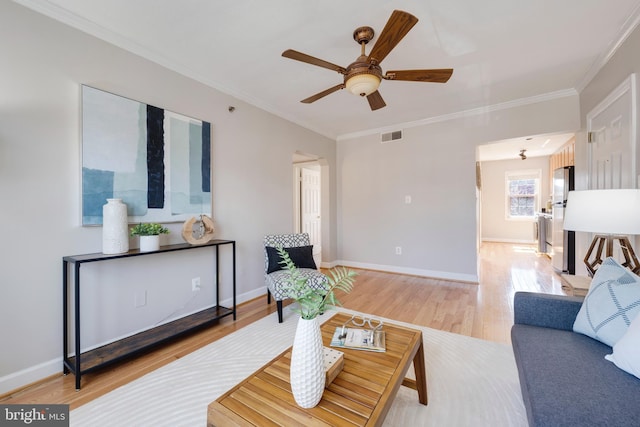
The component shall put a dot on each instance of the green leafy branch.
(314, 302)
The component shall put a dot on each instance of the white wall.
(44, 64)
(435, 164)
(495, 225)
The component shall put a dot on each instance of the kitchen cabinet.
(565, 156)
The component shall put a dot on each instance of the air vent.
(391, 136)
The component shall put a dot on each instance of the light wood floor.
(482, 311)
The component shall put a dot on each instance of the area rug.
(471, 382)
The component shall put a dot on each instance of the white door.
(310, 212)
(612, 145)
(612, 128)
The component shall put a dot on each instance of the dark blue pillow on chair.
(301, 256)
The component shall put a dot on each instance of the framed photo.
(157, 161)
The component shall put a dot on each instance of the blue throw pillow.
(301, 256)
(611, 304)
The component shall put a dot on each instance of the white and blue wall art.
(158, 162)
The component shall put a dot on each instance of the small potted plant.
(149, 235)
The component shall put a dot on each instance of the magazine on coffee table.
(359, 339)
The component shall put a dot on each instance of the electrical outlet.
(195, 284)
(140, 299)
(398, 250)
(407, 200)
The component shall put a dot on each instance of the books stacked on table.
(359, 339)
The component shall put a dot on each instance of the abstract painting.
(157, 161)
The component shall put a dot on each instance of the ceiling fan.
(363, 76)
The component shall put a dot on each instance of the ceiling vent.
(396, 135)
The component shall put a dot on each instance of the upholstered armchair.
(300, 251)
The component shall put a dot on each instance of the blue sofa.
(564, 377)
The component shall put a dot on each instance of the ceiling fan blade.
(303, 57)
(322, 94)
(396, 28)
(434, 76)
(375, 101)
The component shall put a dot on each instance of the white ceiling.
(502, 51)
(535, 146)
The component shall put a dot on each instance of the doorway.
(308, 201)
(499, 163)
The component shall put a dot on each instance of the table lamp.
(612, 215)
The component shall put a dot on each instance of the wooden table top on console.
(361, 394)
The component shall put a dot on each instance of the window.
(522, 194)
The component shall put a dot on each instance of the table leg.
(421, 374)
(76, 296)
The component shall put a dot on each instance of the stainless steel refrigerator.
(563, 256)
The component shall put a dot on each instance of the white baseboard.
(24, 377)
(501, 240)
(329, 264)
(30, 375)
(412, 271)
(245, 297)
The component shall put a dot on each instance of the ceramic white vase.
(307, 373)
(149, 243)
(115, 232)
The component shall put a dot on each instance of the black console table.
(81, 363)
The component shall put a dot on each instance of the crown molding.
(465, 113)
(627, 28)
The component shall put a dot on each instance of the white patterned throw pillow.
(611, 304)
(626, 352)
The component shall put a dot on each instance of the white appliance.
(563, 256)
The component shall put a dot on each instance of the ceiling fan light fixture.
(522, 155)
(363, 84)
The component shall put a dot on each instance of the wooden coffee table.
(360, 395)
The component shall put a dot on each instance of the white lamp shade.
(363, 84)
(603, 211)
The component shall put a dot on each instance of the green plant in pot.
(307, 373)
(311, 301)
(149, 233)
